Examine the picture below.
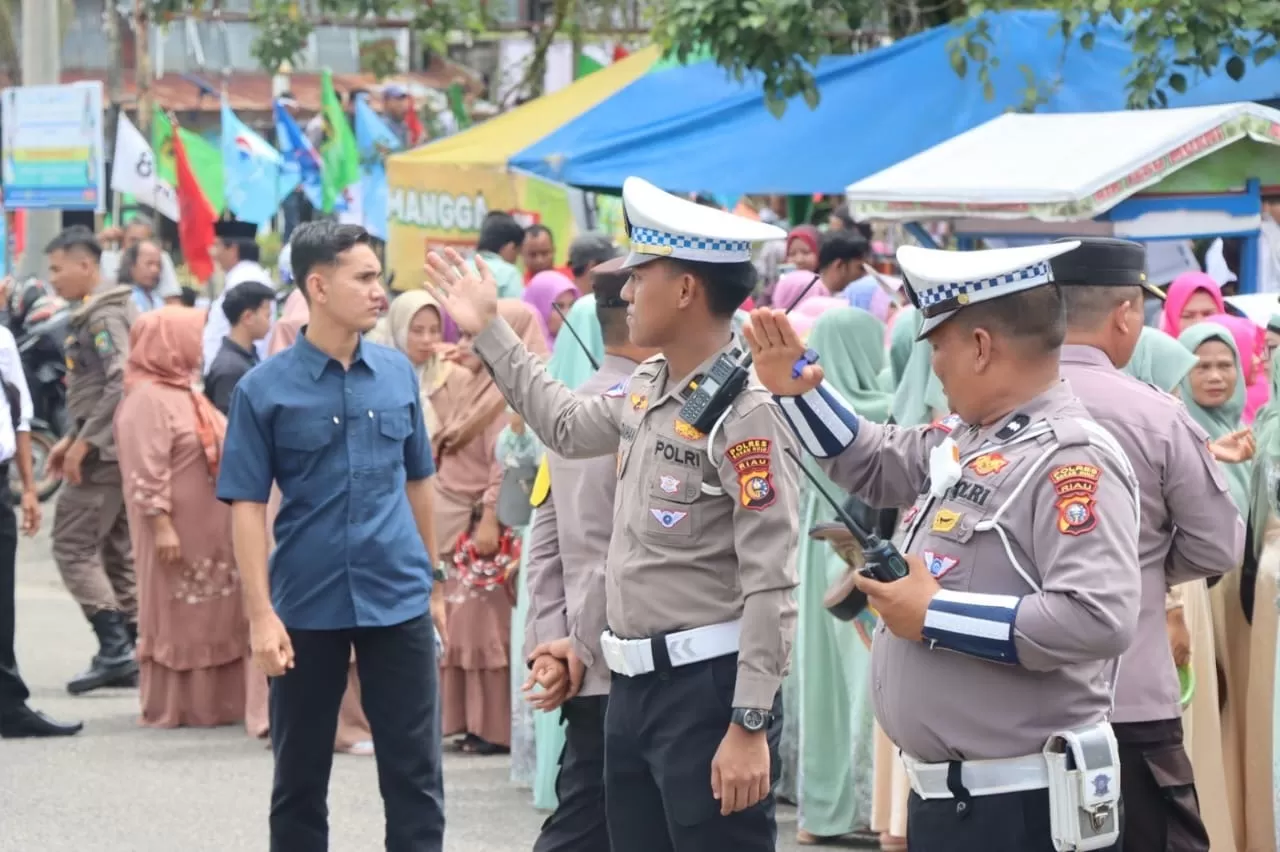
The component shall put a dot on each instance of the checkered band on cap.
(950, 295)
(666, 244)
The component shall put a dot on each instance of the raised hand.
(469, 295)
(776, 350)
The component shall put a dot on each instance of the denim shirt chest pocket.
(304, 441)
(395, 425)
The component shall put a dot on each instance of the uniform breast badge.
(617, 391)
(1076, 486)
(987, 464)
(751, 459)
(639, 402)
(945, 520)
(938, 564)
(684, 430)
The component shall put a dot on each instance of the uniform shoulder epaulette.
(948, 424)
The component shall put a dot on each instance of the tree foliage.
(782, 39)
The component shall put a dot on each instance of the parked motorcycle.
(41, 335)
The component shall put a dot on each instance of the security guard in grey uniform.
(993, 666)
(700, 570)
(90, 528)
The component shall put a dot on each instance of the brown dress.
(192, 639)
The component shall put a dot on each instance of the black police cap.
(1104, 262)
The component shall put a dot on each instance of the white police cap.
(943, 282)
(661, 225)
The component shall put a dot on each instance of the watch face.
(753, 720)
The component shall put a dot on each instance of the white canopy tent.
(1025, 171)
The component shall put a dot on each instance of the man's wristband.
(972, 624)
(825, 423)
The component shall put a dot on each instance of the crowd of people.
(342, 399)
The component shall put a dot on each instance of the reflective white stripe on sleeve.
(977, 625)
(821, 418)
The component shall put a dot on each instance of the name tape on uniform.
(1076, 486)
(753, 461)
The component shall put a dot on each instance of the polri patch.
(988, 463)
(1077, 488)
(945, 520)
(938, 564)
(102, 343)
(668, 518)
(617, 391)
(684, 430)
(752, 460)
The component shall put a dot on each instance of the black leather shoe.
(25, 722)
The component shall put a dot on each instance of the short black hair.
(248, 249)
(538, 230)
(1087, 307)
(498, 231)
(842, 213)
(1034, 319)
(319, 244)
(727, 284)
(77, 238)
(611, 310)
(841, 245)
(247, 296)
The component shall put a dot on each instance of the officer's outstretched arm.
(886, 466)
(1084, 546)
(753, 467)
(1208, 532)
(567, 424)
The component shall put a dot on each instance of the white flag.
(134, 171)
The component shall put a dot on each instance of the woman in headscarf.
(192, 643)
(918, 398)
(545, 292)
(1251, 343)
(415, 327)
(802, 248)
(793, 290)
(475, 683)
(835, 712)
(1244, 633)
(1192, 297)
(354, 735)
(1162, 361)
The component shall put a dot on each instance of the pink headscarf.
(1251, 340)
(1180, 292)
(815, 308)
(541, 293)
(881, 302)
(792, 284)
(802, 325)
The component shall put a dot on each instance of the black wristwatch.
(752, 719)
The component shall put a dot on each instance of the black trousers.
(13, 691)
(1161, 808)
(578, 823)
(661, 732)
(1011, 822)
(399, 691)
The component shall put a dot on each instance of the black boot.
(115, 663)
(131, 627)
(24, 722)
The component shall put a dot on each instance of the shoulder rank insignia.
(639, 401)
(751, 459)
(948, 424)
(684, 430)
(1076, 486)
(1013, 427)
(103, 344)
(988, 463)
(617, 391)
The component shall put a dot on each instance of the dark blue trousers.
(400, 693)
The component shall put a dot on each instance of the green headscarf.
(568, 362)
(918, 393)
(1160, 360)
(1266, 460)
(1223, 419)
(851, 343)
(902, 339)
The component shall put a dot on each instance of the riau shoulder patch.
(948, 424)
(752, 459)
(103, 344)
(617, 391)
(1077, 487)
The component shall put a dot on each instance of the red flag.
(195, 228)
(416, 133)
(620, 53)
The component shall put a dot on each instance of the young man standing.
(237, 255)
(90, 528)
(337, 423)
(248, 309)
(499, 245)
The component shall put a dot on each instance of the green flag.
(458, 105)
(338, 151)
(204, 156)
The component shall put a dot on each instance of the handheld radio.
(585, 350)
(719, 387)
(883, 561)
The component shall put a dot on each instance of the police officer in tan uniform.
(90, 528)
(1191, 529)
(564, 571)
(700, 569)
(994, 661)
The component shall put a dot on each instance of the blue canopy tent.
(691, 128)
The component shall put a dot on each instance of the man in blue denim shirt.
(337, 423)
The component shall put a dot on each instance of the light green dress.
(835, 708)
(569, 364)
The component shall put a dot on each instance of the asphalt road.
(118, 787)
